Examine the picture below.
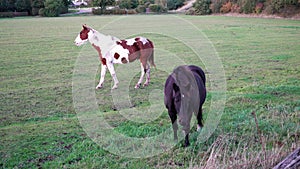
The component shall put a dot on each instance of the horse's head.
(188, 88)
(83, 36)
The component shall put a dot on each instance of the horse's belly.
(119, 55)
(120, 59)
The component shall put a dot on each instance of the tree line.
(35, 7)
(200, 7)
(204, 7)
(56, 7)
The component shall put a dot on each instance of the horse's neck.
(105, 42)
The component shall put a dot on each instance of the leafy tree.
(202, 7)
(276, 5)
(161, 2)
(128, 4)
(3, 6)
(174, 4)
(217, 5)
(247, 6)
(36, 6)
(148, 2)
(52, 8)
(157, 8)
(11, 5)
(23, 5)
(103, 4)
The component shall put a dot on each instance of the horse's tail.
(151, 57)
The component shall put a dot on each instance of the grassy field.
(40, 126)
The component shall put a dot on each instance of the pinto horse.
(112, 50)
(184, 95)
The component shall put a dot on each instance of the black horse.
(185, 93)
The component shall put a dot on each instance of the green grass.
(39, 125)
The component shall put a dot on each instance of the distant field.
(39, 126)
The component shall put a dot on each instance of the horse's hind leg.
(147, 71)
(145, 68)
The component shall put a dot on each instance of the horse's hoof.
(99, 87)
(186, 144)
(146, 84)
(198, 128)
(137, 86)
(175, 140)
(114, 87)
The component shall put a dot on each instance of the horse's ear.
(175, 87)
(84, 26)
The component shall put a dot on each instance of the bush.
(247, 6)
(157, 8)
(276, 5)
(235, 8)
(3, 6)
(226, 7)
(127, 4)
(147, 4)
(141, 9)
(42, 12)
(259, 7)
(6, 14)
(216, 5)
(202, 7)
(52, 8)
(191, 11)
(36, 6)
(174, 4)
(115, 11)
(23, 5)
(35, 11)
(96, 11)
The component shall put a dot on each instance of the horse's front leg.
(102, 76)
(186, 132)
(111, 69)
(138, 85)
(173, 118)
(185, 122)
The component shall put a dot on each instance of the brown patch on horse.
(136, 49)
(99, 53)
(116, 56)
(103, 60)
(131, 48)
(84, 33)
(123, 60)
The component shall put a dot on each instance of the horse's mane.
(108, 37)
(104, 41)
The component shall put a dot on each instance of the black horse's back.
(200, 79)
(182, 98)
(199, 71)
